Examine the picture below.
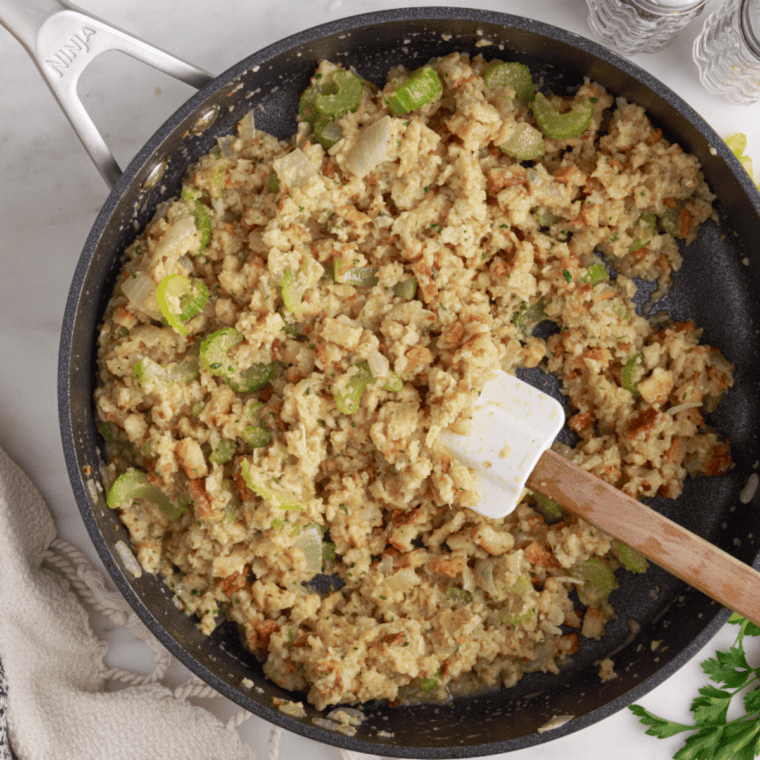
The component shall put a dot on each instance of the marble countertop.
(52, 193)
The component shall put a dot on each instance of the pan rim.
(136, 171)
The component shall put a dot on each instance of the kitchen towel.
(55, 701)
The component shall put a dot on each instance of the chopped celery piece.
(198, 408)
(348, 400)
(272, 492)
(528, 317)
(422, 86)
(525, 143)
(180, 300)
(253, 408)
(515, 75)
(598, 580)
(213, 354)
(185, 371)
(562, 126)
(327, 132)
(252, 379)
(545, 218)
(359, 277)
(328, 551)
(292, 291)
(307, 106)
(341, 94)
(257, 436)
(430, 684)
(191, 194)
(202, 223)
(644, 230)
(214, 359)
(223, 451)
(522, 585)
(393, 383)
(109, 431)
(456, 594)
(148, 373)
(514, 620)
(631, 559)
(273, 183)
(406, 289)
(548, 509)
(631, 371)
(737, 143)
(596, 273)
(132, 485)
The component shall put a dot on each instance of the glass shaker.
(640, 26)
(727, 51)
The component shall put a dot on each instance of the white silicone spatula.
(513, 427)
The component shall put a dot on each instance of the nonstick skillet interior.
(716, 288)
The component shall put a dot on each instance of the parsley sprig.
(716, 737)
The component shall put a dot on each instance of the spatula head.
(514, 423)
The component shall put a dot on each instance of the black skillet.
(714, 287)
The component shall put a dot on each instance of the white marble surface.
(51, 194)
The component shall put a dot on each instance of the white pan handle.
(63, 40)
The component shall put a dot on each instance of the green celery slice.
(340, 95)
(223, 451)
(252, 379)
(516, 75)
(422, 86)
(348, 401)
(562, 126)
(528, 317)
(598, 580)
(327, 132)
(630, 380)
(132, 485)
(180, 300)
(545, 218)
(406, 289)
(630, 558)
(645, 227)
(596, 273)
(393, 383)
(548, 509)
(525, 143)
(256, 436)
(292, 292)
(213, 354)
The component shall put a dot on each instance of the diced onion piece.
(370, 148)
(378, 364)
(132, 485)
(177, 240)
(271, 492)
(141, 292)
(385, 565)
(294, 170)
(403, 580)
(247, 127)
(484, 576)
(129, 559)
(310, 543)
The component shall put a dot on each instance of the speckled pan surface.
(717, 287)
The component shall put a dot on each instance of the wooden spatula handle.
(684, 554)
